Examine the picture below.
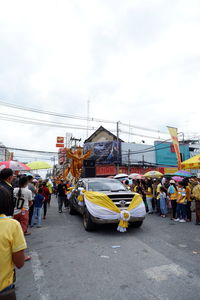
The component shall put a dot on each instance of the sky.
(137, 62)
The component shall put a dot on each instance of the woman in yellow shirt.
(181, 203)
(12, 245)
(149, 196)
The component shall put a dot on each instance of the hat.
(171, 181)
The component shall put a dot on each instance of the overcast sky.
(136, 61)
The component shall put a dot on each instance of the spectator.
(149, 196)
(61, 191)
(196, 196)
(12, 245)
(39, 199)
(46, 198)
(173, 196)
(163, 202)
(50, 187)
(23, 199)
(32, 188)
(189, 200)
(6, 177)
(181, 203)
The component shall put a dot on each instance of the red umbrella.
(14, 165)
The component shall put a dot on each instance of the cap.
(172, 181)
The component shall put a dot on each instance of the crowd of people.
(22, 200)
(166, 197)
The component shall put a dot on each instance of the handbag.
(8, 295)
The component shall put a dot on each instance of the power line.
(20, 107)
(40, 111)
(32, 121)
(29, 150)
(142, 128)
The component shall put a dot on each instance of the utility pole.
(129, 152)
(88, 116)
(118, 147)
(75, 141)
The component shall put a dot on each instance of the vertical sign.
(174, 136)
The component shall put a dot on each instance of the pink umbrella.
(14, 165)
(177, 178)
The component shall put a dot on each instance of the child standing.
(163, 202)
(39, 199)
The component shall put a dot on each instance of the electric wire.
(20, 107)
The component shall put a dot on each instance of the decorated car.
(106, 200)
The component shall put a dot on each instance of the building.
(112, 154)
(5, 154)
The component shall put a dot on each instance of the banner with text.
(174, 136)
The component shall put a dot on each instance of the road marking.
(39, 276)
(163, 272)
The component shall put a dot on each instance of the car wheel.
(137, 224)
(72, 210)
(87, 221)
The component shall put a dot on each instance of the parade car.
(114, 189)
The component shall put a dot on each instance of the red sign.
(105, 170)
(60, 140)
(60, 145)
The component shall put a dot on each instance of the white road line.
(39, 276)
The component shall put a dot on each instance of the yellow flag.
(174, 136)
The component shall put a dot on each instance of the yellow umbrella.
(37, 165)
(153, 174)
(191, 163)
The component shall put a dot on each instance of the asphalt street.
(160, 260)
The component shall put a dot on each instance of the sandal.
(27, 257)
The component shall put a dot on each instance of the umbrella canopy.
(133, 175)
(191, 163)
(183, 173)
(14, 165)
(120, 176)
(177, 178)
(153, 174)
(139, 176)
(38, 165)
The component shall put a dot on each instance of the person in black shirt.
(6, 177)
(61, 192)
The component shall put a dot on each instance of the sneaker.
(177, 220)
(39, 226)
(182, 221)
(60, 211)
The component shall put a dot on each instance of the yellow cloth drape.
(102, 200)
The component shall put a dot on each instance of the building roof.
(98, 131)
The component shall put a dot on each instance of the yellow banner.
(174, 136)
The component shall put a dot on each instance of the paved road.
(161, 261)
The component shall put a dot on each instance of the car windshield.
(109, 185)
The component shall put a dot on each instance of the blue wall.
(164, 155)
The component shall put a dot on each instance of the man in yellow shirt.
(196, 196)
(12, 244)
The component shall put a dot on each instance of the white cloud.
(136, 61)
